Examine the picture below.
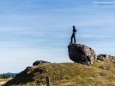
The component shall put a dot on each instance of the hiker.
(73, 35)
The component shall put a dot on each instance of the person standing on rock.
(73, 35)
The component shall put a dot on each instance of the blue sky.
(33, 30)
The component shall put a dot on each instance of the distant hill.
(10, 74)
(100, 73)
(7, 75)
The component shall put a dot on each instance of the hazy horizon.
(33, 30)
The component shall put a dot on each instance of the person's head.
(73, 27)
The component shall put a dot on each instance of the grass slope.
(66, 74)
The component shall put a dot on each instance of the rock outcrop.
(106, 58)
(39, 62)
(81, 53)
(103, 57)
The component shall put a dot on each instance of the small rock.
(28, 68)
(105, 67)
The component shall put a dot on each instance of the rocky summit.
(81, 53)
(100, 73)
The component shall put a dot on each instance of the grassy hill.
(100, 73)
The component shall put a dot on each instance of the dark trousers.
(73, 37)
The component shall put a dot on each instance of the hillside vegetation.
(101, 73)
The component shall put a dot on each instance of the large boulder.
(81, 53)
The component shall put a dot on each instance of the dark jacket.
(74, 30)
